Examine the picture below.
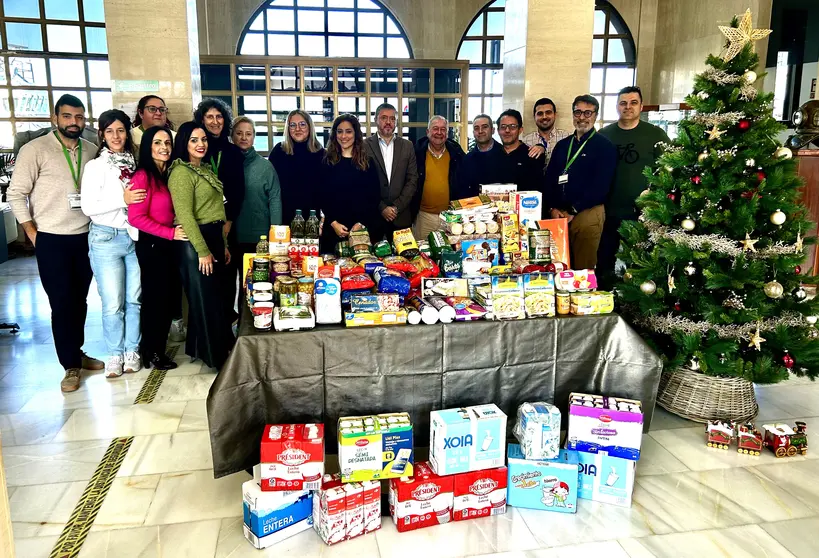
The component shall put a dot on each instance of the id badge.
(74, 202)
(564, 179)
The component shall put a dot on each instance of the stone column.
(547, 53)
(153, 48)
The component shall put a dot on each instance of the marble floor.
(689, 501)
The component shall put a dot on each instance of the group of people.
(154, 210)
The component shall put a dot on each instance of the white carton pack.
(270, 517)
(538, 430)
(606, 479)
(344, 511)
(467, 439)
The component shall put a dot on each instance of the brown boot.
(71, 382)
(90, 363)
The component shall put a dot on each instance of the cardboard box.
(549, 485)
(593, 303)
(467, 439)
(608, 424)
(375, 302)
(479, 494)
(270, 517)
(375, 447)
(507, 297)
(539, 294)
(538, 430)
(292, 457)
(361, 319)
(443, 286)
(343, 511)
(576, 280)
(529, 207)
(423, 500)
(606, 479)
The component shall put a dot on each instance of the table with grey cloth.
(329, 372)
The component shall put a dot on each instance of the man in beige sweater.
(45, 196)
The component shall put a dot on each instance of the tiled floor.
(689, 500)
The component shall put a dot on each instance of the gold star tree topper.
(738, 37)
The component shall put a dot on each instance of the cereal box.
(423, 500)
(270, 517)
(378, 302)
(467, 439)
(606, 479)
(292, 457)
(480, 250)
(539, 294)
(479, 494)
(507, 297)
(375, 447)
(549, 485)
(609, 424)
(529, 208)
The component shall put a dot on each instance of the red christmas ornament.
(672, 196)
(761, 176)
(787, 360)
(677, 306)
(744, 124)
(797, 270)
(696, 179)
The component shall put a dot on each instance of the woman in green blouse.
(198, 202)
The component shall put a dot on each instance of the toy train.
(782, 440)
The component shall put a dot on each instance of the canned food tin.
(540, 246)
(288, 291)
(261, 269)
(563, 303)
(280, 264)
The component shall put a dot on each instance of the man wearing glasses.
(578, 181)
(637, 147)
(486, 163)
(544, 139)
(525, 171)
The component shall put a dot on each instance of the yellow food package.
(594, 302)
(510, 234)
(405, 243)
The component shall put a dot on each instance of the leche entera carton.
(421, 501)
(610, 424)
(375, 447)
(292, 457)
(606, 479)
(270, 517)
(479, 494)
(549, 485)
(467, 439)
(343, 511)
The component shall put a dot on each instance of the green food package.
(383, 248)
(451, 264)
(438, 242)
(343, 249)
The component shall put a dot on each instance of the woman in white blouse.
(105, 195)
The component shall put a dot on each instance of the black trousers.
(607, 253)
(231, 272)
(161, 290)
(65, 272)
(210, 337)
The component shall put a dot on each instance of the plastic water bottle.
(311, 230)
(297, 225)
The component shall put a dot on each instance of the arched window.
(320, 28)
(48, 48)
(482, 45)
(613, 60)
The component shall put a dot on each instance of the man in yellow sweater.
(437, 158)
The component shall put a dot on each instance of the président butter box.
(375, 447)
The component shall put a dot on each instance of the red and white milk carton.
(421, 501)
(292, 457)
(372, 505)
(343, 511)
(479, 494)
(355, 509)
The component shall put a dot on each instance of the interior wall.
(434, 27)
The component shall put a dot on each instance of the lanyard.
(75, 172)
(214, 165)
(570, 160)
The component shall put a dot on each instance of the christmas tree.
(712, 274)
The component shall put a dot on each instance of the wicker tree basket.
(702, 398)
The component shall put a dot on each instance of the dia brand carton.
(549, 485)
(421, 501)
(610, 424)
(467, 439)
(270, 517)
(606, 479)
(479, 494)
(375, 447)
(292, 457)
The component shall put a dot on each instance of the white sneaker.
(133, 362)
(113, 368)
(178, 331)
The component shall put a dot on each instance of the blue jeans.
(116, 269)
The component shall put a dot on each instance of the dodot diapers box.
(467, 439)
(421, 501)
(479, 494)
(606, 479)
(610, 424)
(270, 517)
(549, 485)
(375, 447)
(292, 457)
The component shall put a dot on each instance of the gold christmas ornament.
(798, 244)
(702, 156)
(671, 284)
(783, 153)
(714, 133)
(812, 319)
(778, 218)
(773, 289)
(738, 37)
(750, 76)
(648, 287)
(813, 333)
(748, 244)
(690, 269)
(688, 224)
(756, 340)
(627, 276)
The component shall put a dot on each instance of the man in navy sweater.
(578, 181)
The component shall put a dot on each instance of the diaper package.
(538, 430)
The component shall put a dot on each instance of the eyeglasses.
(509, 127)
(295, 125)
(586, 113)
(152, 109)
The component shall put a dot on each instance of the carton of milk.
(270, 517)
(375, 447)
(421, 501)
(292, 457)
(467, 439)
(549, 485)
(606, 479)
(610, 424)
(479, 494)
(343, 511)
(538, 430)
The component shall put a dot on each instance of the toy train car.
(785, 441)
(719, 433)
(749, 440)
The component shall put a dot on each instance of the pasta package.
(391, 281)
(539, 294)
(507, 297)
(399, 263)
(356, 282)
(405, 244)
(465, 308)
(425, 268)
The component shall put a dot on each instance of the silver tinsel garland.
(716, 243)
(670, 324)
(709, 119)
(720, 77)
(747, 92)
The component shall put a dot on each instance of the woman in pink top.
(153, 216)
